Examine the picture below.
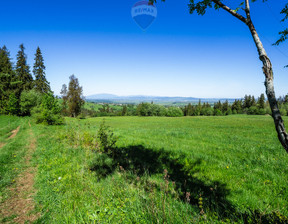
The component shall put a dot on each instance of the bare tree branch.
(232, 12)
(247, 10)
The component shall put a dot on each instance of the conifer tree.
(6, 73)
(64, 93)
(124, 110)
(5, 61)
(261, 101)
(23, 71)
(225, 107)
(253, 101)
(75, 99)
(41, 84)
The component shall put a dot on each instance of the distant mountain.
(102, 96)
(140, 98)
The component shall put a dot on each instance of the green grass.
(12, 153)
(7, 124)
(233, 165)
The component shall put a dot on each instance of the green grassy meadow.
(164, 170)
(11, 152)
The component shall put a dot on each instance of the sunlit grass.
(12, 153)
(236, 159)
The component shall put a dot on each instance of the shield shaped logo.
(144, 13)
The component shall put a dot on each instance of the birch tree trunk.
(268, 72)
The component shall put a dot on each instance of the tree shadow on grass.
(141, 161)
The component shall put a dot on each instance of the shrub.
(252, 110)
(48, 112)
(229, 111)
(13, 106)
(283, 112)
(218, 112)
(262, 111)
(28, 100)
(174, 112)
(106, 138)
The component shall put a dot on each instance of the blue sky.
(179, 55)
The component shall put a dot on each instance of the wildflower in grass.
(200, 202)
(227, 167)
(59, 178)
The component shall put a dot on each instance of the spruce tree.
(261, 101)
(75, 99)
(41, 84)
(253, 101)
(23, 71)
(225, 107)
(5, 61)
(64, 93)
(6, 75)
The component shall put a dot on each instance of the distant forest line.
(248, 105)
(23, 93)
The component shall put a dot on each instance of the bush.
(218, 112)
(268, 110)
(283, 112)
(253, 110)
(12, 106)
(28, 100)
(229, 111)
(49, 111)
(106, 138)
(174, 112)
(262, 111)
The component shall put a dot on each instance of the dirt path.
(21, 203)
(14, 133)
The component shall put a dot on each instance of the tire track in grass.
(13, 135)
(21, 204)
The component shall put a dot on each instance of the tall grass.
(171, 170)
(12, 153)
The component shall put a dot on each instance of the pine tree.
(261, 101)
(225, 107)
(124, 110)
(5, 61)
(247, 102)
(23, 71)
(189, 109)
(253, 101)
(13, 105)
(41, 83)
(6, 75)
(64, 93)
(74, 97)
